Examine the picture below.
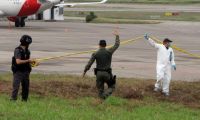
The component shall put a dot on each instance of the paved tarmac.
(139, 7)
(136, 60)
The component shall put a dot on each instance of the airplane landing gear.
(20, 22)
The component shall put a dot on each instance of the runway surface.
(139, 7)
(136, 60)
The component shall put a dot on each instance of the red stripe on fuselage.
(29, 7)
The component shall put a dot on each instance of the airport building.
(54, 14)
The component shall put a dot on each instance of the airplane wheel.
(22, 23)
(17, 23)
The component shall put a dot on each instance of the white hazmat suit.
(165, 61)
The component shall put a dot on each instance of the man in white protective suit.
(165, 62)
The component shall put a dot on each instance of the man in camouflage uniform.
(103, 71)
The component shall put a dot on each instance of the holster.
(112, 80)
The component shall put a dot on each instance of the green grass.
(145, 1)
(124, 21)
(68, 97)
(53, 108)
(135, 17)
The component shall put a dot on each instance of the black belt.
(109, 70)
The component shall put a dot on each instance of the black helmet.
(102, 43)
(26, 40)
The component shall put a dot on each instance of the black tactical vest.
(25, 55)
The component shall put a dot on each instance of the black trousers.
(23, 78)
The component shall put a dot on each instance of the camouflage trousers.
(104, 78)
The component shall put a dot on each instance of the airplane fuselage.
(17, 10)
(22, 8)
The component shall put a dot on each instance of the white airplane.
(18, 10)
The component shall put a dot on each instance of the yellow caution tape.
(37, 61)
(178, 49)
(34, 63)
(131, 40)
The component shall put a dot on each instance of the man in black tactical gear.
(103, 69)
(21, 68)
